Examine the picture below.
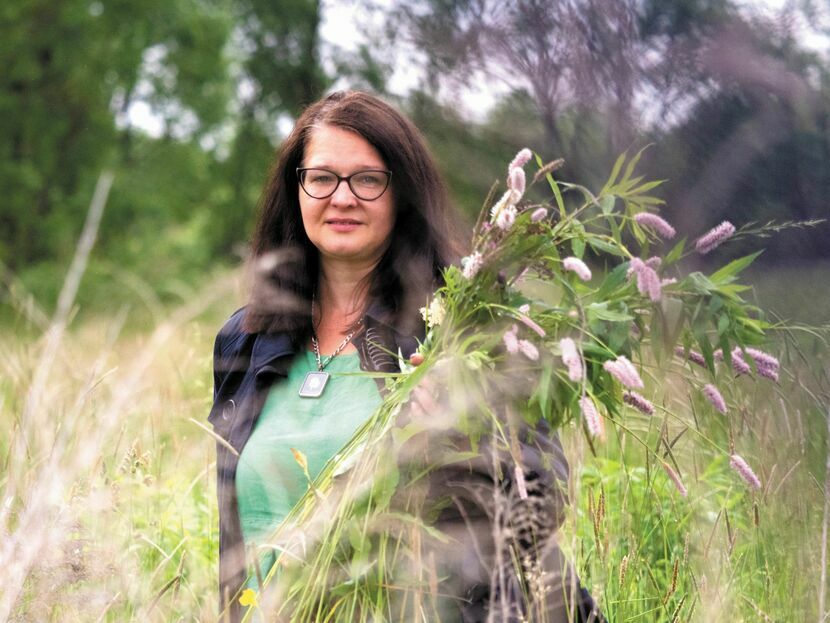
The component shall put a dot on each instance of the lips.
(343, 225)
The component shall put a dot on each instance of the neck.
(342, 292)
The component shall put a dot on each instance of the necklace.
(315, 382)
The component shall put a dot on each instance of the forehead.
(336, 148)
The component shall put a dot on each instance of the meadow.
(108, 509)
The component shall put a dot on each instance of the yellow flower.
(248, 598)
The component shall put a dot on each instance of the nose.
(343, 195)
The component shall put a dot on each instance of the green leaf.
(700, 283)
(613, 281)
(728, 272)
(606, 204)
(723, 324)
(756, 326)
(646, 187)
(633, 163)
(600, 311)
(557, 194)
(598, 244)
(675, 253)
(578, 242)
(615, 171)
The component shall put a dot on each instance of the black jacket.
(247, 365)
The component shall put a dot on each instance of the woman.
(353, 232)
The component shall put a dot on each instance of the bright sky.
(339, 28)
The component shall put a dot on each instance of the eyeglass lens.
(366, 185)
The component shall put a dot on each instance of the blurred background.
(187, 101)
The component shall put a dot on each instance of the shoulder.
(231, 337)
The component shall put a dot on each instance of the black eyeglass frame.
(347, 179)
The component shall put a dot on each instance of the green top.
(269, 482)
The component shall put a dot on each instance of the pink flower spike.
(762, 359)
(506, 200)
(592, 419)
(714, 237)
(638, 402)
(471, 265)
(675, 478)
(511, 342)
(516, 180)
(526, 321)
(529, 350)
(659, 225)
(506, 217)
(648, 282)
(693, 356)
(714, 396)
(521, 159)
(624, 371)
(745, 471)
(575, 265)
(572, 359)
(538, 215)
(768, 373)
(654, 262)
(739, 365)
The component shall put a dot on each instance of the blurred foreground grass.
(108, 506)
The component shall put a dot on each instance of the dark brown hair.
(423, 239)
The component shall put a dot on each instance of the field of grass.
(108, 509)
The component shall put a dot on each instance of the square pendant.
(314, 384)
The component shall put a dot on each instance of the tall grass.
(107, 497)
(723, 553)
(108, 513)
(108, 488)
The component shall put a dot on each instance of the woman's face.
(344, 227)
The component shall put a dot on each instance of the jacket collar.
(268, 347)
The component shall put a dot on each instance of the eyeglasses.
(321, 183)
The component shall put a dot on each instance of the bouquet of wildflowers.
(568, 314)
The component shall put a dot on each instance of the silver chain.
(322, 364)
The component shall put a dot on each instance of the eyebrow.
(359, 167)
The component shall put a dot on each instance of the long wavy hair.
(423, 240)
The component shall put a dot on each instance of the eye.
(319, 177)
(368, 178)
